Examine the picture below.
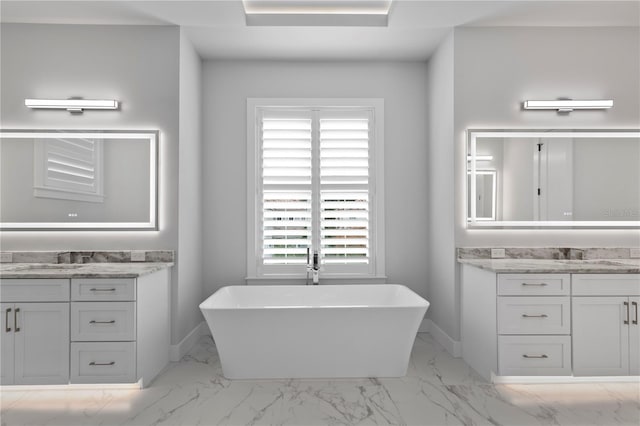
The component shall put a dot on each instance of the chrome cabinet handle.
(635, 305)
(6, 320)
(92, 363)
(626, 304)
(102, 322)
(534, 316)
(15, 319)
(536, 284)
(534, 356)
(102, 289)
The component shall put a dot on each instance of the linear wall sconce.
(76, 106)
(481, 158)
(568, 105)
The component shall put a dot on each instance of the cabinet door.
(41, 343)
(6, 344)
(634, 336)
(600, 337)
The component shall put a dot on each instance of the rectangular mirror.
(553, 178)
(67, 179)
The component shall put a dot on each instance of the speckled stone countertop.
(594, 266)
(80, 270)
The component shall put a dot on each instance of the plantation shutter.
(286, 138)
(344, 187)
(69, 168)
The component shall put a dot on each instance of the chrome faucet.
(313, 267)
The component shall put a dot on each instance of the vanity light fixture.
(481, 158)
(364, 13)
(72, 105)
(568, 105)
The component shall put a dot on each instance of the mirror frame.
(151, 225)
(470, 167)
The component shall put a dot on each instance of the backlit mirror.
(553, 178)
(63, 179)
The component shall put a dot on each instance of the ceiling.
(218, 29)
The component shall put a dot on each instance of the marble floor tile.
(437, 390)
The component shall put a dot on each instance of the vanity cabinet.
(103, 330)
(533, 324)
(35, 331)
(606, 333)
(85, 330)
(120, 329)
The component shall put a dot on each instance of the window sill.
(331, 280)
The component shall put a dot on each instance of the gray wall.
(442, 292)
(187, 294)
(137, 65)
(228, 84)
(495, 69)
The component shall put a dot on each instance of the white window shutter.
(286, 146)
(344, 187)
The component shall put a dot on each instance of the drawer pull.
(15, 319)
(535, 284)
(92, 363)
(102, 322)
(626, 304)
(534, 316)
(635, 305)
(102, 289)
(534, 356)
(6, 320)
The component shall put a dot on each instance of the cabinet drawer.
(533, 284)
(96, 289)
(103, 362)
(34, 290)
(605, 285)
(534, 355)
(534, 315)
(103, 321)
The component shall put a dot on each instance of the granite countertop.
(80, 270)
(592, 266)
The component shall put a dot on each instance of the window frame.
(255, 269)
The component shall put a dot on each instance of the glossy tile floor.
(438, 390)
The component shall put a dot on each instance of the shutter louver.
(286, 188)
(344, 188)
(71, 165)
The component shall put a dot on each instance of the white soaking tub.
(314, 331)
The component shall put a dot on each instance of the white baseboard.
(454, 347)
(176, 352)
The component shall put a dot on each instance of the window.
(315, 184)
(68, 169)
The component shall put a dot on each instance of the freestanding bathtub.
(319, 331)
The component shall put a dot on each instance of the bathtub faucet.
(313, 267)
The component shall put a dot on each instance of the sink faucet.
(313, 267)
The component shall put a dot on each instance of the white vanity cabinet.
(120, 329)
(542, 324)
(534, 324)
(35, 331)
(85, 330)
(606, 333)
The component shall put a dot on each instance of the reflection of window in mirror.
(486, 195)
(68, 169)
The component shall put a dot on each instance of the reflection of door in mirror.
(553, 178)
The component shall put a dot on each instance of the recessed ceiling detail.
(317, 12)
